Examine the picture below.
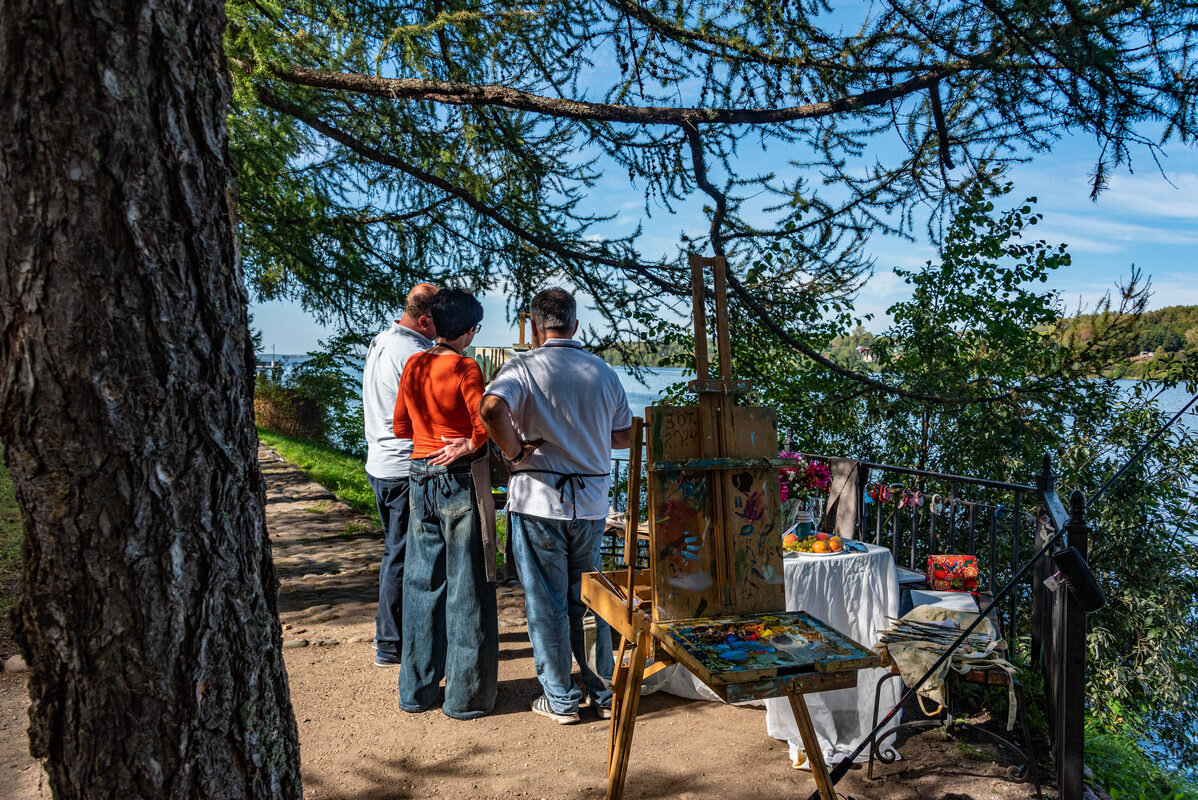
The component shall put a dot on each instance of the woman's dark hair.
(455, 311)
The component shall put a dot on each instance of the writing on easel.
(679, 431)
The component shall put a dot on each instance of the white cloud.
(1105, 225)
(1168, 289)
(1077, 243)
(1103, 233)
(1174, 289)
(1152, 195)
(880, 292)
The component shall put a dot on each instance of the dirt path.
(356, 743)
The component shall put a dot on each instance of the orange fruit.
(819, 547)
(836, 544)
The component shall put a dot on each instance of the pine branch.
(628, 265)
(466, 94)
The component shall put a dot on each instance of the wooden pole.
(723, 345)
(699, 301)
(712, 425)
(627, 716)
(619, 677)
(632, 509)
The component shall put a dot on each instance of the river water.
(646, 386)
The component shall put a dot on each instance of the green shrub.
(319, 399)
(1124, 770)
(288, 410)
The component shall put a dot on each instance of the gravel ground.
(356, 743)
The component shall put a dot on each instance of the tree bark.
(148, 609)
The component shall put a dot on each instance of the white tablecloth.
(854, 593)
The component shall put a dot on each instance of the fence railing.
(1003, 524)
(917, 513)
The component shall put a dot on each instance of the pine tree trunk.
(148, 611)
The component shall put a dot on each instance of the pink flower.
(805, 477)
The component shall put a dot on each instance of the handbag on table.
(952, 573)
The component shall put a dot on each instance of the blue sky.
(1144, 218)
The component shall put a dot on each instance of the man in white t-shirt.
(556, 412)
(387, 458)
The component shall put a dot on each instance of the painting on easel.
(712, 556)
(715, 584)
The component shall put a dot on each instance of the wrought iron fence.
(917, 513)
(1003, 524)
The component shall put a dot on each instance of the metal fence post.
(1071, 717)
(1046, 486)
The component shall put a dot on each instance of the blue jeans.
(551, 555)
(391, 498)
(450, 621)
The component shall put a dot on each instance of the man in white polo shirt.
(556, 412)
(387, 457)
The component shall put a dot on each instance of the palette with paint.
(755, 647)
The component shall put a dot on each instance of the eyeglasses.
(478, 327)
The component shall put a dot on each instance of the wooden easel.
(715, 560)
(522, 346)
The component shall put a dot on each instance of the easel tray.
(757, 647)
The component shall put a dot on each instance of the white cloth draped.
(854, 593)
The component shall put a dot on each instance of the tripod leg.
(619, 679)
(815, 757)
(626, 719)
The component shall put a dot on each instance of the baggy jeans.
(391, 498)
(551, 555)
(450, 622)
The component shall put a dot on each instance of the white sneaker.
(603, 712)
(540, 705)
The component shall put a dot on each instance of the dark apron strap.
(566, 480)
(484, 506)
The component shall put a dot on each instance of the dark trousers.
(391, 497)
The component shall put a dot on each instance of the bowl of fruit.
(821, 544)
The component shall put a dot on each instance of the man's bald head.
(420, 300)
(417, 307)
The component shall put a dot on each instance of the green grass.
(11, 534)
(344, 476)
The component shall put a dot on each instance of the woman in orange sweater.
(450, 626)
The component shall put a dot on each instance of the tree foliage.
(473, 142)
(476, 143)
(984, 313)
